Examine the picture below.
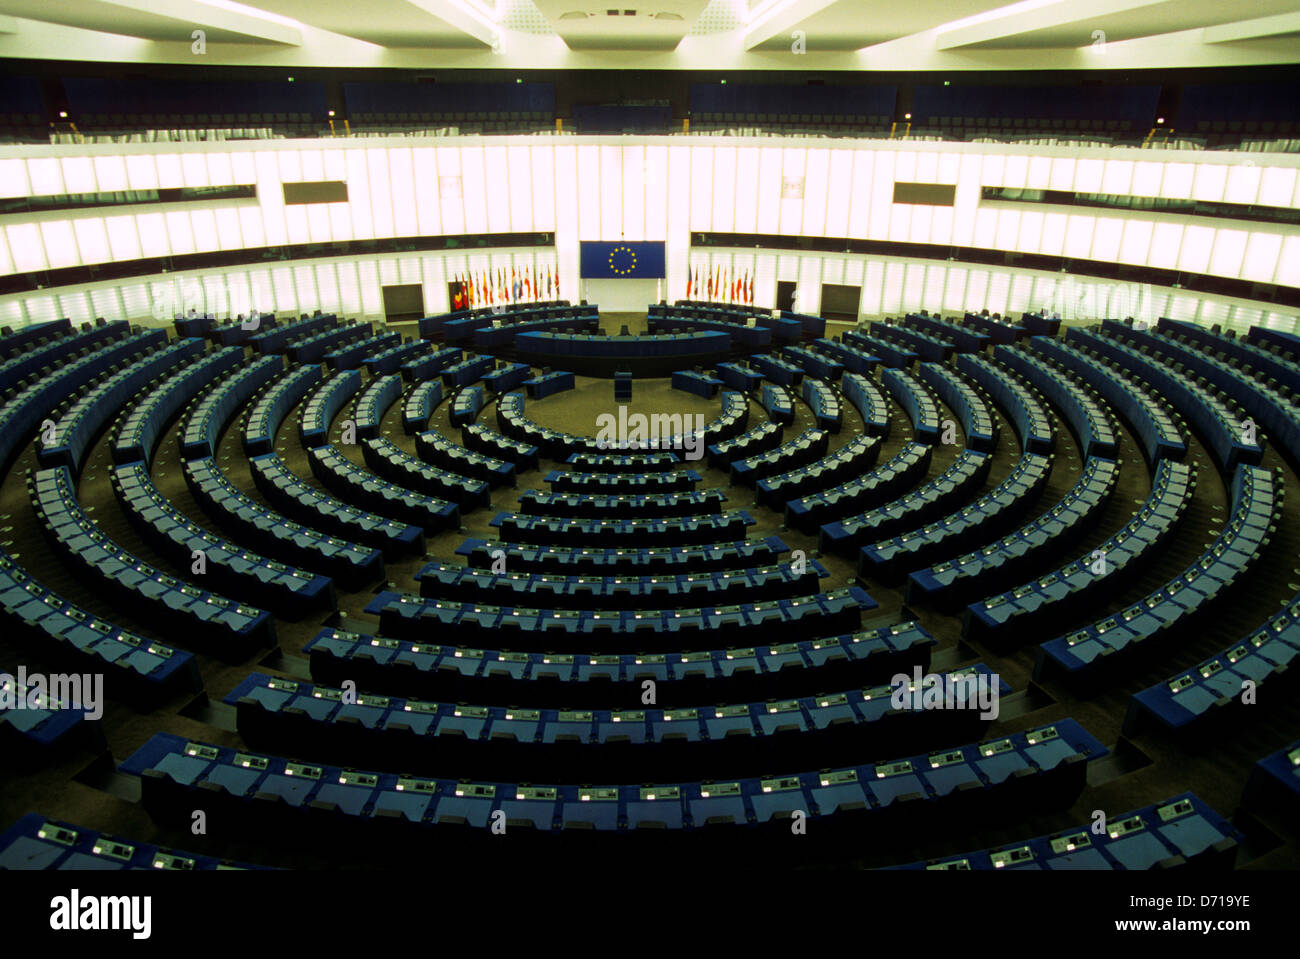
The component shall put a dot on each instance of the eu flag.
(621, 260)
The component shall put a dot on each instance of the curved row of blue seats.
(1205, 696)
(757, 439)
(825, 404)
(238, 332)
(482, 740)
(33, 336)
(560, 531)
(814, 364)
(143, 424)
(467, 371)
(324, 403)
(350, 564)
(811, 327)
(404, 616)
(1086, 418)
(1009, 558)
(238, 572)
(428, 367)
(482, 554)
(900, 472)
(622, 505)
(891, 354)
(893, 557)
(916, 401)
(777, 403)
(742, 337)
(1287, 344)
(596, 461)
(1018, 401)
(39, 842)
(419, 406)
(1040, 325)
(353, 484)
(135, 669)
(569, 481)
(730, 422)
(999, 331)
(973, 413)
(1001, 620)
(1177, 832)
(311, 348)
(850, 358)
(1153, 425)
(38, 729)
(1273, 782)
(681, 677)
(309, 506)
(862, 392)
(437, 450)
(670, 591)
(1239, 352)
(390, 360)
(1267, 406)
(543, 343)
(461, 323)
(851, 460)
(484, 440)
(514, 423)
(1039, 769)
(1217, 423)
(485, 336)
(53, 354)
(398, 466)
(508, 377)
(968, 472)
(374, 402)
(809, 445)
(963, 340)
(273, 405)
(738, 376)
(691, 381)
(777, 370)
(926, 347)
(465, 406)
(89, 411)
(210, 413)
(215, 623)
(1114, 639)
(350, 357)
(277, 340)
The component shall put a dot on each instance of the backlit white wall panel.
(892, 286)
(649, 188)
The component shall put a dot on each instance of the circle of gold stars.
(630, 252)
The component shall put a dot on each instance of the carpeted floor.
(86, 790)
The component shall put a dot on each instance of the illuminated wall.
(604, 188)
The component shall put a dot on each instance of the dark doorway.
(405, 302)
(785, 294)
(840, 302)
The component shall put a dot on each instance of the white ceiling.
(661, 34)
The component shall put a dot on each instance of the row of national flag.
(500, 286)
(719, 287)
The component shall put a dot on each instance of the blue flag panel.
(621, 260)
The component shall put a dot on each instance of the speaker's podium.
(622, 386)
